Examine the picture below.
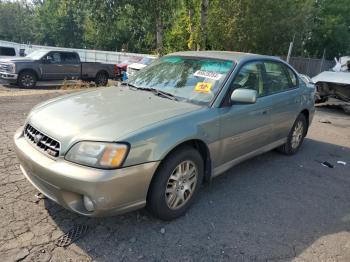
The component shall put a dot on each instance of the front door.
(53, 67)
(246, 127)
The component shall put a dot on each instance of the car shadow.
(271, 207)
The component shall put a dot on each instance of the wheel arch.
(30, 70)
(306, 114)
(203, 150)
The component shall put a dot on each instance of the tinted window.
(55, 57)
(250, 77)
(7, 51)
(276, 79)
(70, 58)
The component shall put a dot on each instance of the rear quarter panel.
(89, 70)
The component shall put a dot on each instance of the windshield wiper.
(155, 91)
(158, 92)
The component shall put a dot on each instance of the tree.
(17, 21)
(331, 31)
(60, 23)
(203, 27)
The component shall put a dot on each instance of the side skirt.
(224, 167)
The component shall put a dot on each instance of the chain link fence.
(311, 66)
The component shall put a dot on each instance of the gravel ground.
(270, 208)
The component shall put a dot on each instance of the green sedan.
(154, 140)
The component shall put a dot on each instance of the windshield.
(145, 61)
(195, 80)
(38, 54)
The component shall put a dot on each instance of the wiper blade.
(155, 91)
(158, 92)
(165, 94)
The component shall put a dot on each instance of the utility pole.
(290, 49)
(323, 58)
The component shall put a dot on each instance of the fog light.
(88, 204)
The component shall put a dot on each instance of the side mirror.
(241, 95)
(46, 59)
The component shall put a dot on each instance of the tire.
(168, 205)
(295, 137)
(101, 79)
(27, 79)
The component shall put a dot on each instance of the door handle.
(264, 112)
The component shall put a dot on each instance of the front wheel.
(176, 183)
(101, 79)
(295, 137)
(27, 79)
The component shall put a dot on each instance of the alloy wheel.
(181, 184)
(297, 135)
(27, 80)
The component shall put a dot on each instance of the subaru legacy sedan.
(152, 142)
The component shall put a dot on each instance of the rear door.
(71, 63)
(246, 127)
(282, 88)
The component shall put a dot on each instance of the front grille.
(4, 67)
(42, 141)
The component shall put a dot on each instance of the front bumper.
(111, 191)
(8, 77)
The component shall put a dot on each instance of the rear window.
(7, 51)
(70, 58)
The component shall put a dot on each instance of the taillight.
(115, 70)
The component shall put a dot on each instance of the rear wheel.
(295, 137)
(101, 79)
(176, 184)
(27, 79)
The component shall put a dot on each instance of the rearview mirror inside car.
(241, 95)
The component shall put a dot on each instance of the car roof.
(227, 55)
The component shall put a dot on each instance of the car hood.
(333, 77)
(137, 66)
(15, 59)
(103, 115)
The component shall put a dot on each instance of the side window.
(7, 51)
(276, 78)
(69, 58)
(55, 57)
(250, 77)
(293, 78)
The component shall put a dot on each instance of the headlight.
(11, 68)
(98, 154)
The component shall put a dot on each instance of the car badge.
(37, 138)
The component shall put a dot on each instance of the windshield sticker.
(208, 74)
(203, 87)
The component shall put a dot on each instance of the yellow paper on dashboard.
(203, 87)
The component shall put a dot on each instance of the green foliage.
(16, 21)
(332, 29)
(161, 26)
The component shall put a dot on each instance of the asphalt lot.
(270, 208)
